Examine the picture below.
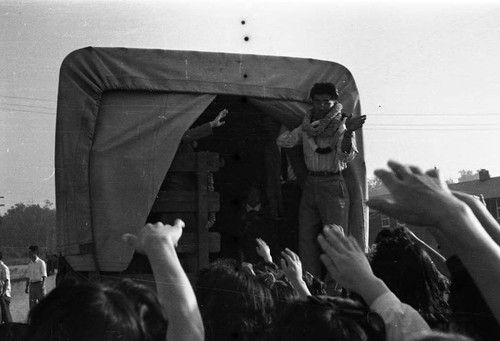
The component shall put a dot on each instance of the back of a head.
(79, 312)
(471, 314)
(411, 275)
(233, 304)
(148, 307)
(282, 292)
(328, 318)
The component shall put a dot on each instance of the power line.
(436, 115)
(30, 98)
(465, 125)
(435, 129)
(29, 111)
(27, 106)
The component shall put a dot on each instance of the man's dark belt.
(35, 282)
(323, 174)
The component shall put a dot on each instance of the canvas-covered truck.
(121, 116)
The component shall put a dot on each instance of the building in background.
(486, 186)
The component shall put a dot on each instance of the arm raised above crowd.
(292, 268)
(488, 222)
(425, 200)
(158, 242)
(347, 264)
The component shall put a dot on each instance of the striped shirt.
(335, 161)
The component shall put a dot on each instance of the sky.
(428, 72)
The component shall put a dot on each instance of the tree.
(468, 175)
(25, 225)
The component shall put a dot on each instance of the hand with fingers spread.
(291, 265)
(347, 263)
(417, 198)
(217, 121)
(354, 122)
(292, 268)
(263, 250)
(424, 200)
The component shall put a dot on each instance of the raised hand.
(263, 250)
(353, 123)
(417, 198)
(292, 268)
(153, 236)
(291, 265)
(217, 121)
(345, 260)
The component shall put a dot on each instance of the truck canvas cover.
(121, 114)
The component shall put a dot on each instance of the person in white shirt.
(4, 292)
(37, 273)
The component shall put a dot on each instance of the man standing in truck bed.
(329, 144)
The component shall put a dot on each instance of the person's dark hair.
(329, 318)
(324, 89)
(471, 314)
(234, 305)
(264, 266)
(148, 306)
(281, 290)
(411, 275)
(34, 248)
(81, 312)
(316, 286)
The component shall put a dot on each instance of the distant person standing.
(4, 292)
(37, 273)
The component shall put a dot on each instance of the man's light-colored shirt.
(36, 270)
(4, 278)
(334, 161)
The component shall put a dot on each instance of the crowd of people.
(401, 289)
(394, 292)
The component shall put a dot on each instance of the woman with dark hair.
(88, 311)
(329, 318)
(148, 306)
(411, 275)
(125, 311)
(234, 305)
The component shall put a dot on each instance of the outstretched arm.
(292, 268)
(489, 223)
(347, 263)
(425, 200)
(158, 242)
(438, 259)
(204, 130)
(263, 250)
